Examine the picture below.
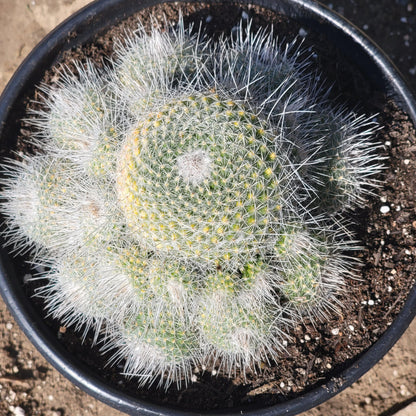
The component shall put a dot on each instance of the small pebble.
(389, 289)
(302, 32)
(371, 302)
(350, 327)
(384, 209)
(383, 198)
(282, 384)
(406, 161)
(335, 331)
(214, 372)
(15, 369)
(328, 366)
(407, 252)
(50, 397)
(398, 208)
(9, 326)
(387, 143)
(404, 391)
(307, 338)
(17, 411)
(367, 400)
(26, 278)
(194, 378)
(385, 394)
(11, 396)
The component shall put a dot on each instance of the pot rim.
(358, 47)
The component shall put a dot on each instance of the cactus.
(189, 215)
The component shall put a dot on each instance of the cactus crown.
(189, 200)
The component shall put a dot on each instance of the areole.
(101, 15)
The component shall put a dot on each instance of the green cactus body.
(142, 65)
(288, 242)
(172, 337)
(233, 328)
(135, 263)
(190, 214)
(235, 282)
(336, 178)
(103, 157)
(300, 265)
(148, 63)
(233, 320)
(41, 191)
(338, 175)
(75, 113)
(302, 280)
(155, 278)
(75, 299)
(265, 70)
(338, 185)
(55, 211)
(80, 291)
(207, 187)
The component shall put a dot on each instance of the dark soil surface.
(316, 352)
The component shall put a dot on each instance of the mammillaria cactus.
(189, 200)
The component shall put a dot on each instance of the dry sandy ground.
(28, 384)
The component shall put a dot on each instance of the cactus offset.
(190, 215)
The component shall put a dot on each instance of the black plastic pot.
(80, 28)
